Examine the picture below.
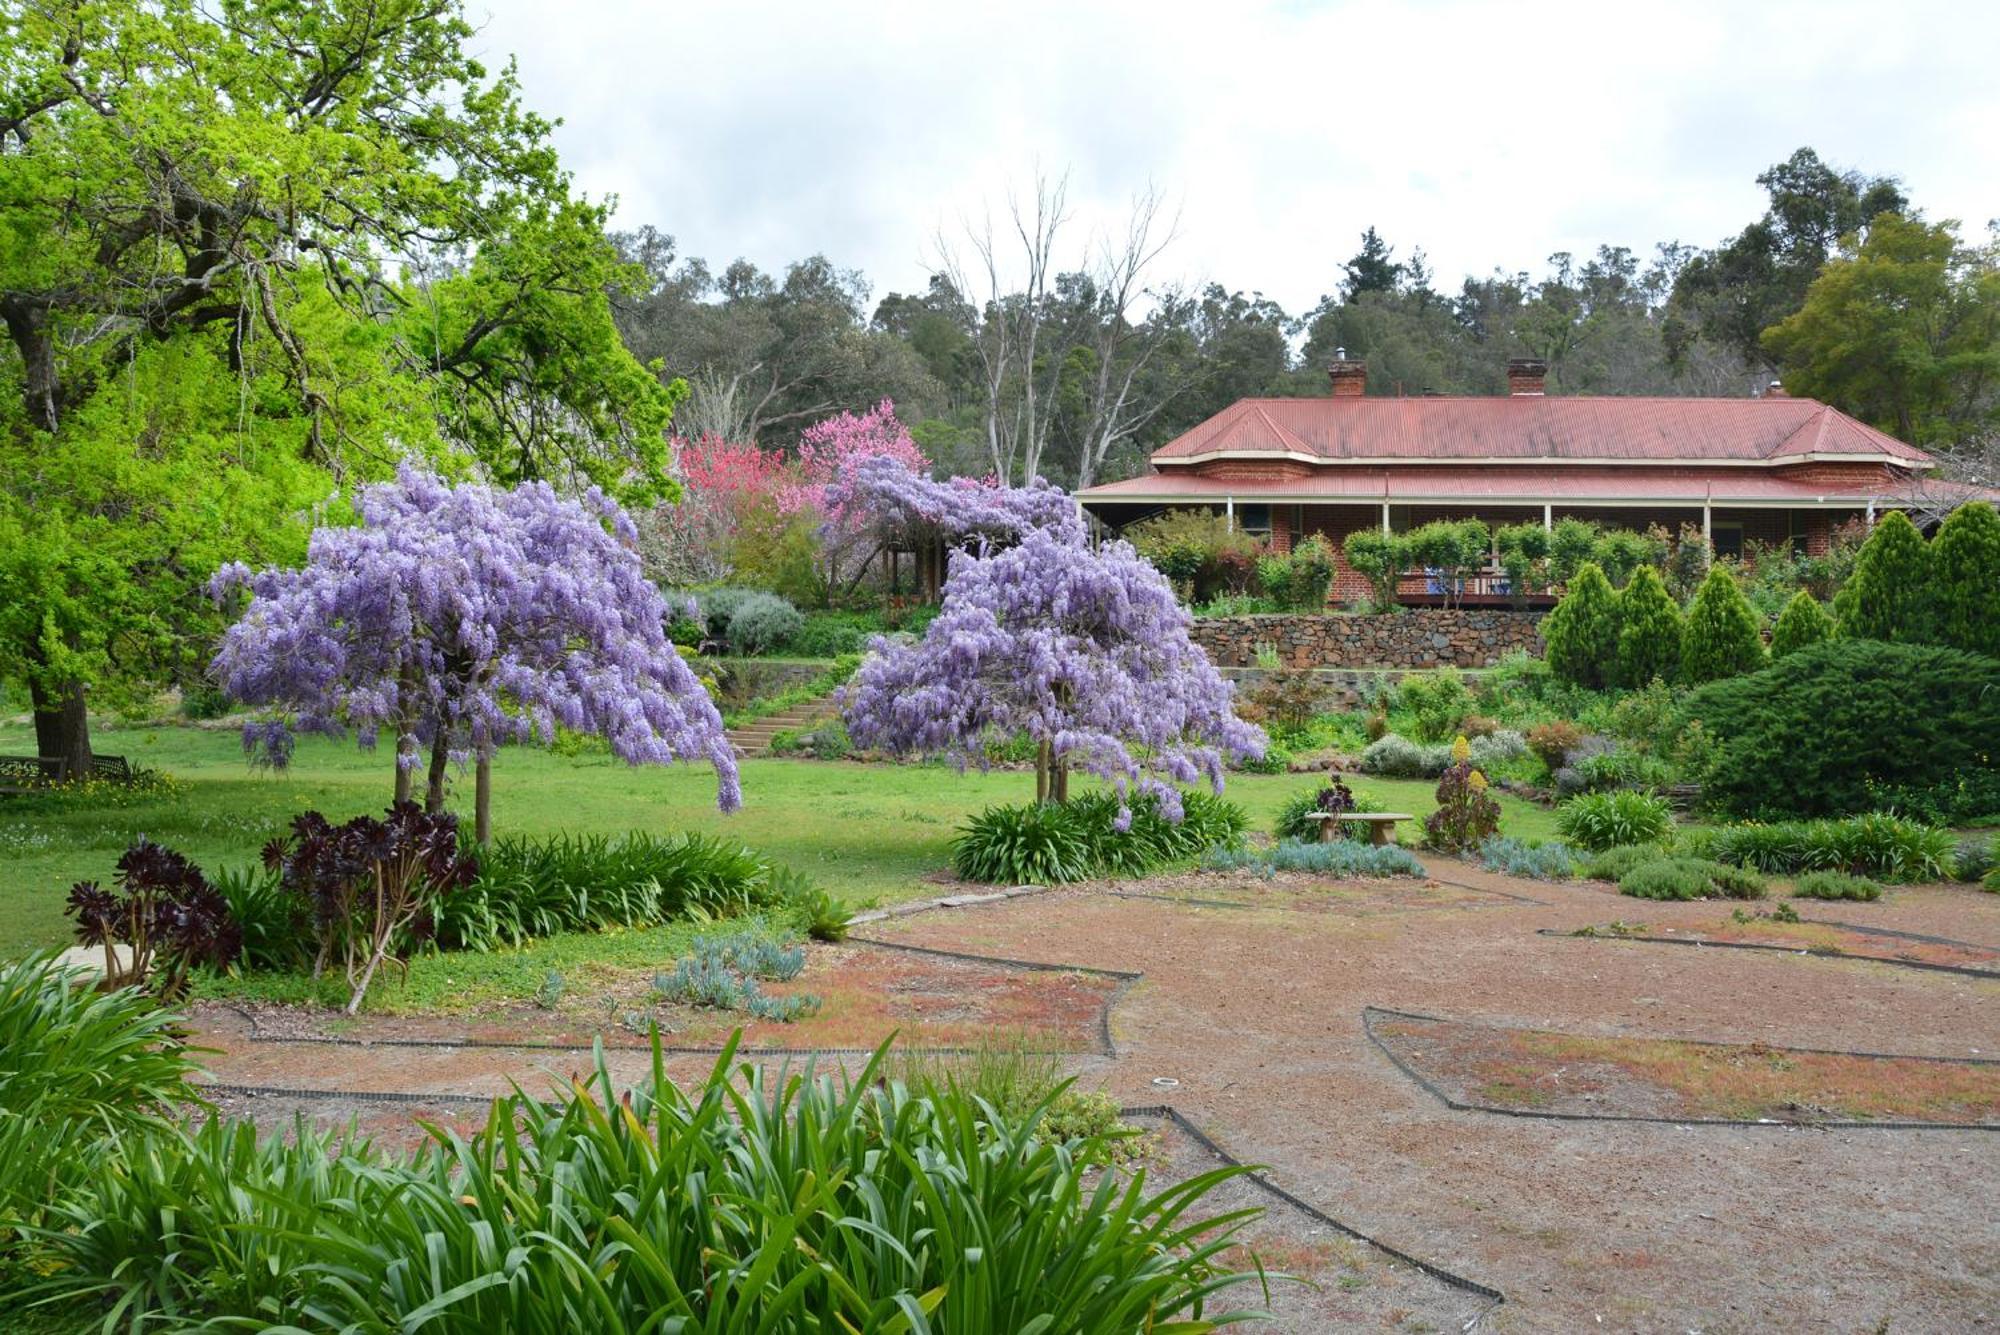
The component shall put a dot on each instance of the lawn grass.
(864, 831)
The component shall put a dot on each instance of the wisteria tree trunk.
(1051, 776)
(434, 785)
(482, 801)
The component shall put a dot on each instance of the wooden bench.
(1381, 824)
(24, 774)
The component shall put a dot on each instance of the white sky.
(1487, 133)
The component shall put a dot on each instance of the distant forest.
(1080, 370)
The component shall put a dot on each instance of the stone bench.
(1381, 824)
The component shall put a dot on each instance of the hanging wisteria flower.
(1086, 651)
(904, 506)
(463, 617)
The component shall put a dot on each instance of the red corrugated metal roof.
(1500, 483)
(1657, 430)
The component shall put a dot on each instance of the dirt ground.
(1248, 1020)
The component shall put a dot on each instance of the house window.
(1727, 539)
(1255, 520)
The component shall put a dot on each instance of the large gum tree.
(249, 251)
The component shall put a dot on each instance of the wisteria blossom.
(828, 451)
(906, 507)
(460, 617)
(1085, 651)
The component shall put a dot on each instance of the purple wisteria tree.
(898, 507)
(1085, 651)
(460, 617)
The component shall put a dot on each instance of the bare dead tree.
(1966, 470)
(1124, 349)
(1011, 330)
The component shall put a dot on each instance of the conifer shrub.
(1649, 630)
(1965, 560)
(1814, 732)
(1890, 596)
(1803, 622)
(1582, 631)
(1721, 636)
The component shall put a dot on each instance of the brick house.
(1771, 469)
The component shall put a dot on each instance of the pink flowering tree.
(1086, 651)
(461, 617)
(722, 482)
(830, 451)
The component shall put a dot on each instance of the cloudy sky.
(1487, 133)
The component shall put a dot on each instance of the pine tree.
(1965, 560)
(1649, 630)
(1722, 637)
(1803, 622)
(1889, 596)
(1582, 631)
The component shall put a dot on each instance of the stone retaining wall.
(1417, 638)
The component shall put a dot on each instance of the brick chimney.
(1350, 375)
(1525, 376)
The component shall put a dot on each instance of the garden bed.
(866, 994)
(1308, 893)
(1813, 936)
(1532, 1071)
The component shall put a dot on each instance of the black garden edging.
(1173, 1116)
(1107, 1046)
(1160, 1111)
(1368, 1014)
(1816, 952)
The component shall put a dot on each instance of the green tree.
(1380, 558)
(1902, 329)
(1727, 297)
(1890, 596)
(1804, 621)
(1965, 556)
(1582, 631)
(1649, 630)
(1571, 543)
(250, 248)
(1721, 637)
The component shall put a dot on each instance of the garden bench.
(24, 774)
(1381, 824)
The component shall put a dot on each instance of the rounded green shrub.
(1439, 701)
(1890, 596)
(1582, 631)
(1649, 630)
(1965, 557)
(1804, 621)
(1690, 878)
(1835, 885)
(1810, 734)
(1604, 820)
(1039, 843)
(1721, 636)
(1612, 863)
(761, 622)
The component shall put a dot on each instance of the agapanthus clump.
(457, 618)
(1086, 652)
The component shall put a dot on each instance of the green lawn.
(864, 831)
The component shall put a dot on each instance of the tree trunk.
(28, 327)
(482, 802)
(404, 772)
(1041, 773)
(62, 732)
(440, 753)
